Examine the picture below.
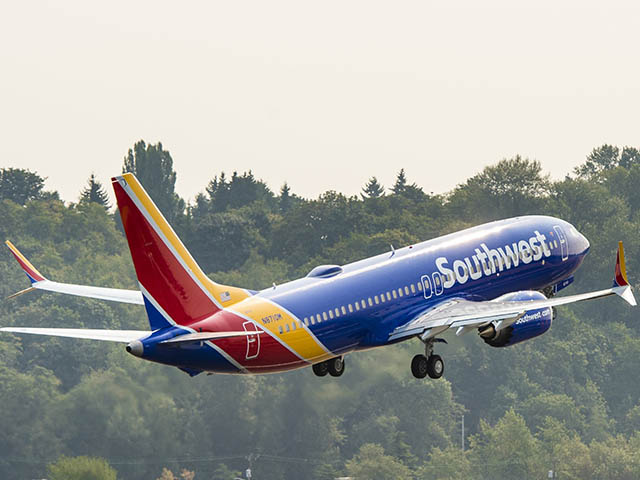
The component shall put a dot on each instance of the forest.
(567, 402)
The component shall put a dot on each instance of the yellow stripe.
(623, 268)
(235, 294)
(16, 252)
(271, 317)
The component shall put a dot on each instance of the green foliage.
(153, 166)
(19, 185)
(81, 468)
(95, 192)
(566, 401)
(372, 189)
(370, 463)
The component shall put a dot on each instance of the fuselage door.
(562, 239)
(426, 285)
(438, 283)
(253, 341)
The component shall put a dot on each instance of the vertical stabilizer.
(175, 289)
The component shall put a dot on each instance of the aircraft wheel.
(419, 366)
(435, 366)
(320, 369)
(336, 366)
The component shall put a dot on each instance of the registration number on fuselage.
(271, 318)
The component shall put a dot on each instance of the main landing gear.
(427, 364)
(333, 366)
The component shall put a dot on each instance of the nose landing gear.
(429, 363)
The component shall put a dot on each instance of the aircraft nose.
(583, 243)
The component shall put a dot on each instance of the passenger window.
(375, 297)
(370, 302)
(337, 312)
(313, 322)
(324, 316)
(350, 308)
(280, 329)
(388, 296)
(293, 326)
(395, 295)
(413, 288)
(364, 304)
(382, 299)
(419, 287)
(406, 290)
(400, 294)
(344, 311)
(330, 314)
(357, 306)
(286, 327)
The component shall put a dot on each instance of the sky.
(322, 95)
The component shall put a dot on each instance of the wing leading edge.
(466, 315)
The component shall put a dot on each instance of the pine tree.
(401, 183)
(373, 189)
(285, 197)
(95, 192)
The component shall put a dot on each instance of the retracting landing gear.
(429, 363)
(333, 366)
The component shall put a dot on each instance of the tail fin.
(620, 280)
(175, 289)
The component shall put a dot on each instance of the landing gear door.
(253, 341)
(562, 239)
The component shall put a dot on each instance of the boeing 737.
(499, 279)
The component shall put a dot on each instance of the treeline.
(567, 401)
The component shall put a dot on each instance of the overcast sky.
(319, 94)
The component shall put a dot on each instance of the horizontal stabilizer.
(124, 336)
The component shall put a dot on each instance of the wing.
(39, 282)
(466, 315)
(124, 336)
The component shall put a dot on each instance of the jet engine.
(533, 323)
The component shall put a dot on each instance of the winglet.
(620, 281)
(31, 271)
(620, 277)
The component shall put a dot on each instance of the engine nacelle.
(531, 324)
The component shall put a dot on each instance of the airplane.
(499, 279)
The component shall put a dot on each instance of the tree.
(448, 464)
(514, 186)
(508, 450)
(285, 198)
(95, 192)
(404, 189)
(401, 183)
(153, 166)
(370, 463)
(19, 185)
(372, 189)
(81, 468)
